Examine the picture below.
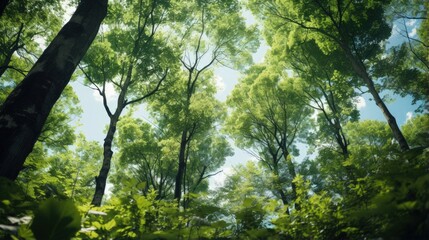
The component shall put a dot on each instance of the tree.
(245, 190)
(188, 127)
(67, 173)
(144, 155)
(417, 130)
(24, 112)
(136, 66)
(356, 28)
(268, 115)
(326, 88)
(208, 39)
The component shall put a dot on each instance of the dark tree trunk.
(181, 167)
(360, 69)
(278, 184)
(3, 4)
(101, 179)
(24, 112)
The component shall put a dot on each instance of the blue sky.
(94, 118)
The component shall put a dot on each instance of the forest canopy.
(182, 88)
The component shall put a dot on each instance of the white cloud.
(409, 116)
(360, 102)
(111, 94)
(218, 81)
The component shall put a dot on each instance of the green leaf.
(24, 232)
(56, 219)
(248, 202)
(110, 224)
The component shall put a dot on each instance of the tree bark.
(3, 4)
(101, 179)
(360, 69)
(181, 167)
(24, 112)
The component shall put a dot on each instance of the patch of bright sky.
(94, 118)
(399, 29)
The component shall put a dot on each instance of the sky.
(94, 118)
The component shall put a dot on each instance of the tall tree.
(188, 127)
(326, 86)
(136, 66)
(57, 137)
(327, 89)
(269, 116)
(357, 28)
(208, 40)
(24, 112)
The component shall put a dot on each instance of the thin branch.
(100, 91)
(213, 174)
(150, 93)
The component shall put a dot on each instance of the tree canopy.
(319, 163)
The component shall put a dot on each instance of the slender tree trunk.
(24, 112)
(181, 167)
(101, 179)
(283, 196)
(397, 134)
(360, 69)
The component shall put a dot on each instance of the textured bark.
(24, 112)
(360, 69)
(101, 179)
(181, 167)
(3, 4)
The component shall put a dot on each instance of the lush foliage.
(317, 171)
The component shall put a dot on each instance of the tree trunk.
(281, 192)
(24, 112)
(292, 172)
(360, 69)
(101, 179)
(181, 167)
(277, 183)
(3, 4)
